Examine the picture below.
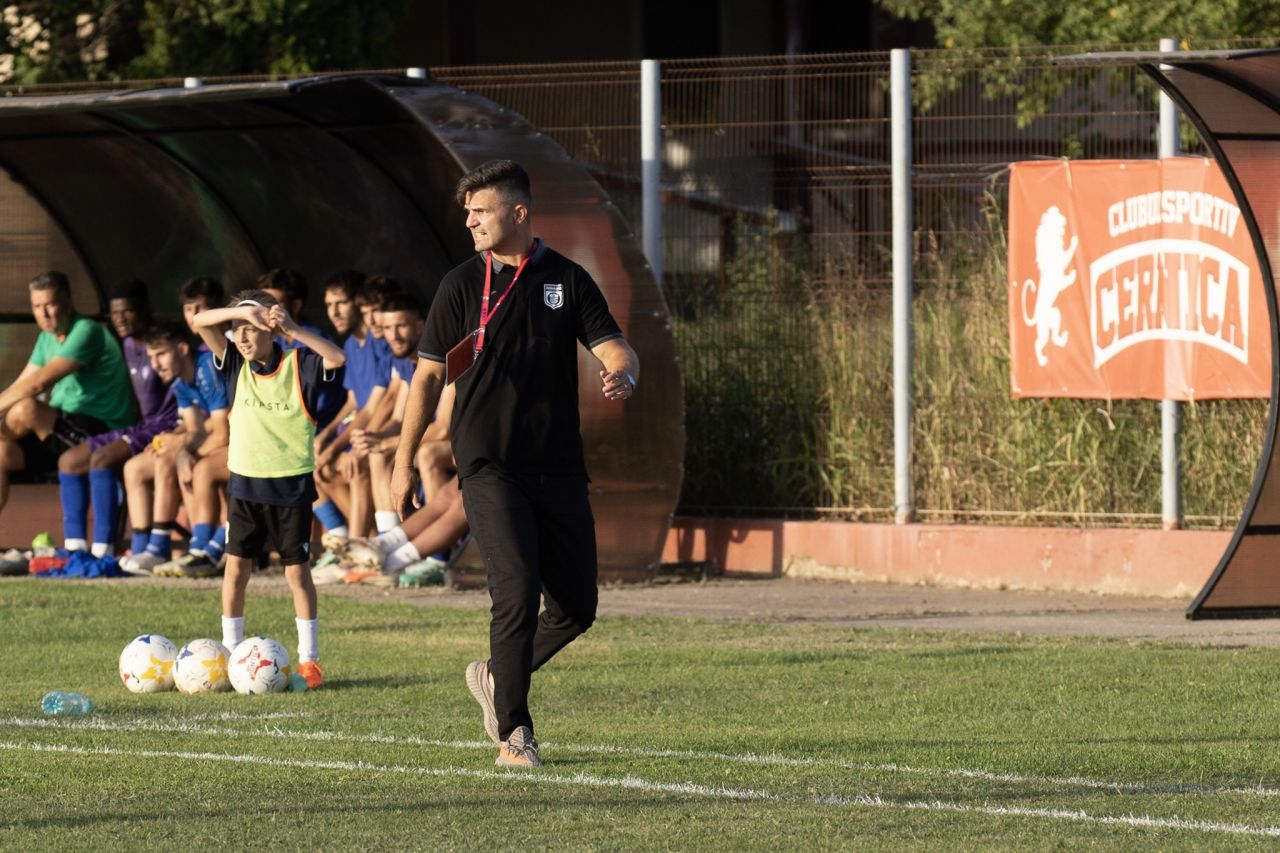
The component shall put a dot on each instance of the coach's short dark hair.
(348, 281)
(289, 282)
(505, 176)
(202, 287)
(167, 331)
(55, 281)
(400, 301)
(135, 291)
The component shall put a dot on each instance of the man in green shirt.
(78, 368)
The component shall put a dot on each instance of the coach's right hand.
(404, 490)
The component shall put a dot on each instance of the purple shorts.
(137, 436)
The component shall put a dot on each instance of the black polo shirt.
(517, 407)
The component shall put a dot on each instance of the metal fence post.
(900, 133)
(1170, 410)
(651, 163)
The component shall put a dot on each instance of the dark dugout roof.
(322, 175)
(1233, 99)
(350, 172)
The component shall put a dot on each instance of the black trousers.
(538, 537)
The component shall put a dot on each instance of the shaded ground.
(872, 605)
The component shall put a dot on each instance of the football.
(146, 664)
(201, 667)
(259, 665)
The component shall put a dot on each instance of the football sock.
(391, 540)
(384, 520)
(159, 542)
(308, 648)
(201, 532)
(139, 540)
(74, 493)
(232, 631)
(101, 549)
(217, 545)
(104, 492)
(331, 517)
(401, 557)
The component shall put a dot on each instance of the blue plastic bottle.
(60, 703)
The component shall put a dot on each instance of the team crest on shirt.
(553, 295)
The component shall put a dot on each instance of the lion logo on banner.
(1053, 260)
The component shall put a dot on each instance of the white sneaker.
(480, 683)
(519, 750)
(141, 564)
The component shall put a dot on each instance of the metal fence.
(777, 265)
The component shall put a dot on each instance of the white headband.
(241, 304)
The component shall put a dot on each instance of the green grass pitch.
(658, 733)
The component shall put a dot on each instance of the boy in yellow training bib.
(274, 395)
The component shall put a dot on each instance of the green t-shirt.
(100, 388)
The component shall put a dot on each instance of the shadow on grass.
(137, 822)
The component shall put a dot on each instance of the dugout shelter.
(324, 174)
(1233, 99)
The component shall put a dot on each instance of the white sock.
(308, 648)
(391, 540)
(401, 557)
(76, 545)
(232, 631)
(384, 520)
(102, 549)
(341, 531)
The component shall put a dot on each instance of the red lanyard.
(485, 314)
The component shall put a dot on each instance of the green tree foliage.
(67, 40)
(1006, 41)
(1017, 23)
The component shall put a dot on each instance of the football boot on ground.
(163, 570)
(363, 554)
(143, 563)
(198, 566)
(428, 572)
(519, 750)
(310, 670)
(480, 683)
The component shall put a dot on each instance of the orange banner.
(1133, 279)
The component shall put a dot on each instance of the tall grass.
(788, 382)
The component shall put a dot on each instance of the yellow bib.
(271, 429)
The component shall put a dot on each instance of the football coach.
(505, 327)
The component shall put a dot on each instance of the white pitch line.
(646, 752)
(687, 788)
